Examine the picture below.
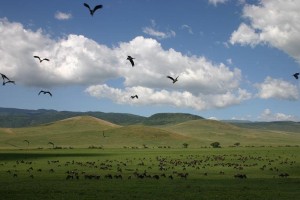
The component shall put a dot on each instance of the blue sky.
(234, 58)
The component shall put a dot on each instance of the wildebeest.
(241, 176)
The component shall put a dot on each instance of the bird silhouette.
(131, 60)
(95, 8)
(4, 77)
(135, 96)
(13, 82)
(174, 80)
(41, 60)
(45, 92)
(296, 75)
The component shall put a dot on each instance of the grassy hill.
(81, 131)
(85, 131)
(169, 118)
(288, 126)
(15, 118)
(208, 131)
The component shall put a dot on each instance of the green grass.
(260, 184)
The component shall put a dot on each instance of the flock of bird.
(6, 80)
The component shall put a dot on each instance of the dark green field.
(151, 173)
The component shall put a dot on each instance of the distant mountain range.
(15, 118)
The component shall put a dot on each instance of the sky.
(235, 58)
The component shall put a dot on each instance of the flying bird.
(174, 80)
(41, 60)
(13, 82)
(4, 77)
(45, 92)
(296, 75)
(135, 96)
(131, 60)
(95, 8)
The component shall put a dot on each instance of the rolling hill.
(208, 131)
(81, 131)
(15, 118)
(86, 131)
(169, 118)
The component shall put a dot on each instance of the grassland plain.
(205, 173)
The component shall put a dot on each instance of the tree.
(185, 145)
(237, 144)
(215, 145)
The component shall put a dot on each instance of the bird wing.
(41, 92)
(49, 93)
(46, 59)
(5, 77)
(132, 63)
(37, 57)
(137, 96)
(87, 5)
(97, 7)
(170, 78)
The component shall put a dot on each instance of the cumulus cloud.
(277, 88)
(215, 2)
(275, 23)
(62, 16)
(267, 115)
(150, 96)
(76, 59)
(152, 31)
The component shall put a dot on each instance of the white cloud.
(62, 16)
(245, 35)
(152, 31)
(188, 28)
(76, 59)
(215, 2)
(267, 115)
(277, 88)
(149, 96)
(275, 23)
(229, 61)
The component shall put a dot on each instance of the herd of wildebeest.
(159, 167)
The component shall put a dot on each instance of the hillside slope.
(77, 131)
(85, 131)
(15, 118)
(169, 118)
(208, 131)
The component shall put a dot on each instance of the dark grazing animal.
(41, 60)
(131, 60)
(174, 80)
(45, 92)
(92, 11)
